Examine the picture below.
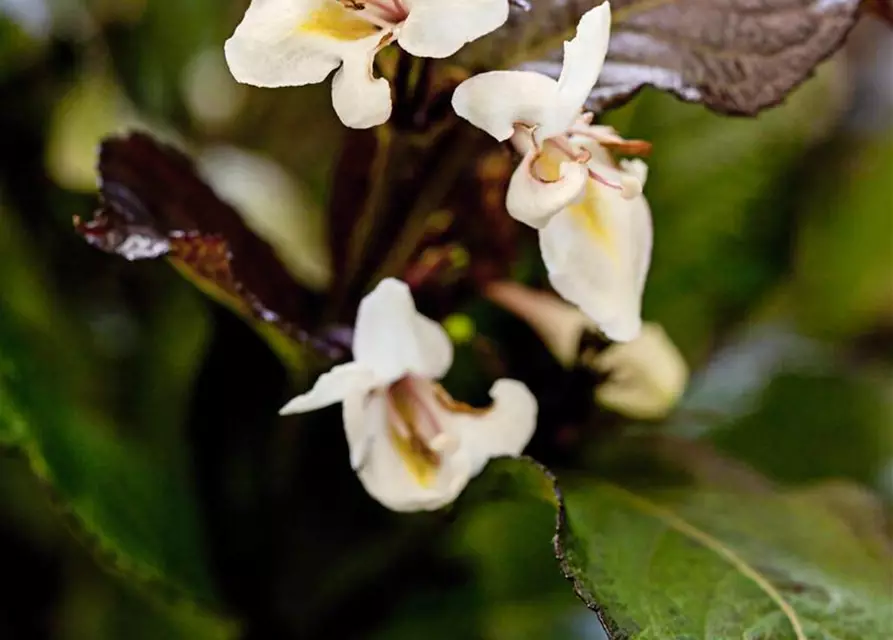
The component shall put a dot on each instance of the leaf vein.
(674, 521)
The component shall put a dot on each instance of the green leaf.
(93, 603)
(715, 563)
(151, 72)
(134, 511)
(717, 192)
(791, 407)
(509, 589)
(96, 608)
(843, 248)
(815, 425)
(134, 508)
(17, 47)
(730, 56)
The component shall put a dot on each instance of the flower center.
(415, 429)
(381, 12)
(628, 186)
(355, 19)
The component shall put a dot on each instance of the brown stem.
(438, 185)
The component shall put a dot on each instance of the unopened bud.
(645, 377)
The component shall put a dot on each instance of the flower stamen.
(397, 420)
(629, 187)
(386, 14)
(378, 21)
(563, 144)
(415, 422)
(629, 147)
(400, 8)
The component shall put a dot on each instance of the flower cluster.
(412, 445)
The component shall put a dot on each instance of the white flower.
(540, 116)
(646, 377)
(412, 445)
(298, 42)
(594, 223)
(597, 251)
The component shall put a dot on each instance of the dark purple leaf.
(153, 204)
(734, 56)
(883, 9)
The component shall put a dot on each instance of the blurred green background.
(772, 271)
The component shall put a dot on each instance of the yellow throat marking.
(420, 461)
(333, 20)
(587, 212)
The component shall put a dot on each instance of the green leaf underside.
(135, 512)
(709, 564)
(733, 56)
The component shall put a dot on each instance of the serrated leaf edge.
(555, 42)
(566, 547)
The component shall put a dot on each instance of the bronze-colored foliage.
(154, 204)
(398, 195)
(883, 9)
(734, 56)
(350, 197)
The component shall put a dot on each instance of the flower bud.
(644, 377)
(640, 379)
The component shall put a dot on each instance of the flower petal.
(268, 50)
(534, 199)
(496, 100)
(503, 429)
(392, 477)
(560, 325)
(387, 476)
(336, 385)
(584, 56)
(360, 100)
(597, 253)
(359, 428)
(393, 339)
(437, 29)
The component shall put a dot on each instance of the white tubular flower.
(297, 42)
(646, 377)
(597, 251)
(595, 225)
(540, 116)
(413, 446)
